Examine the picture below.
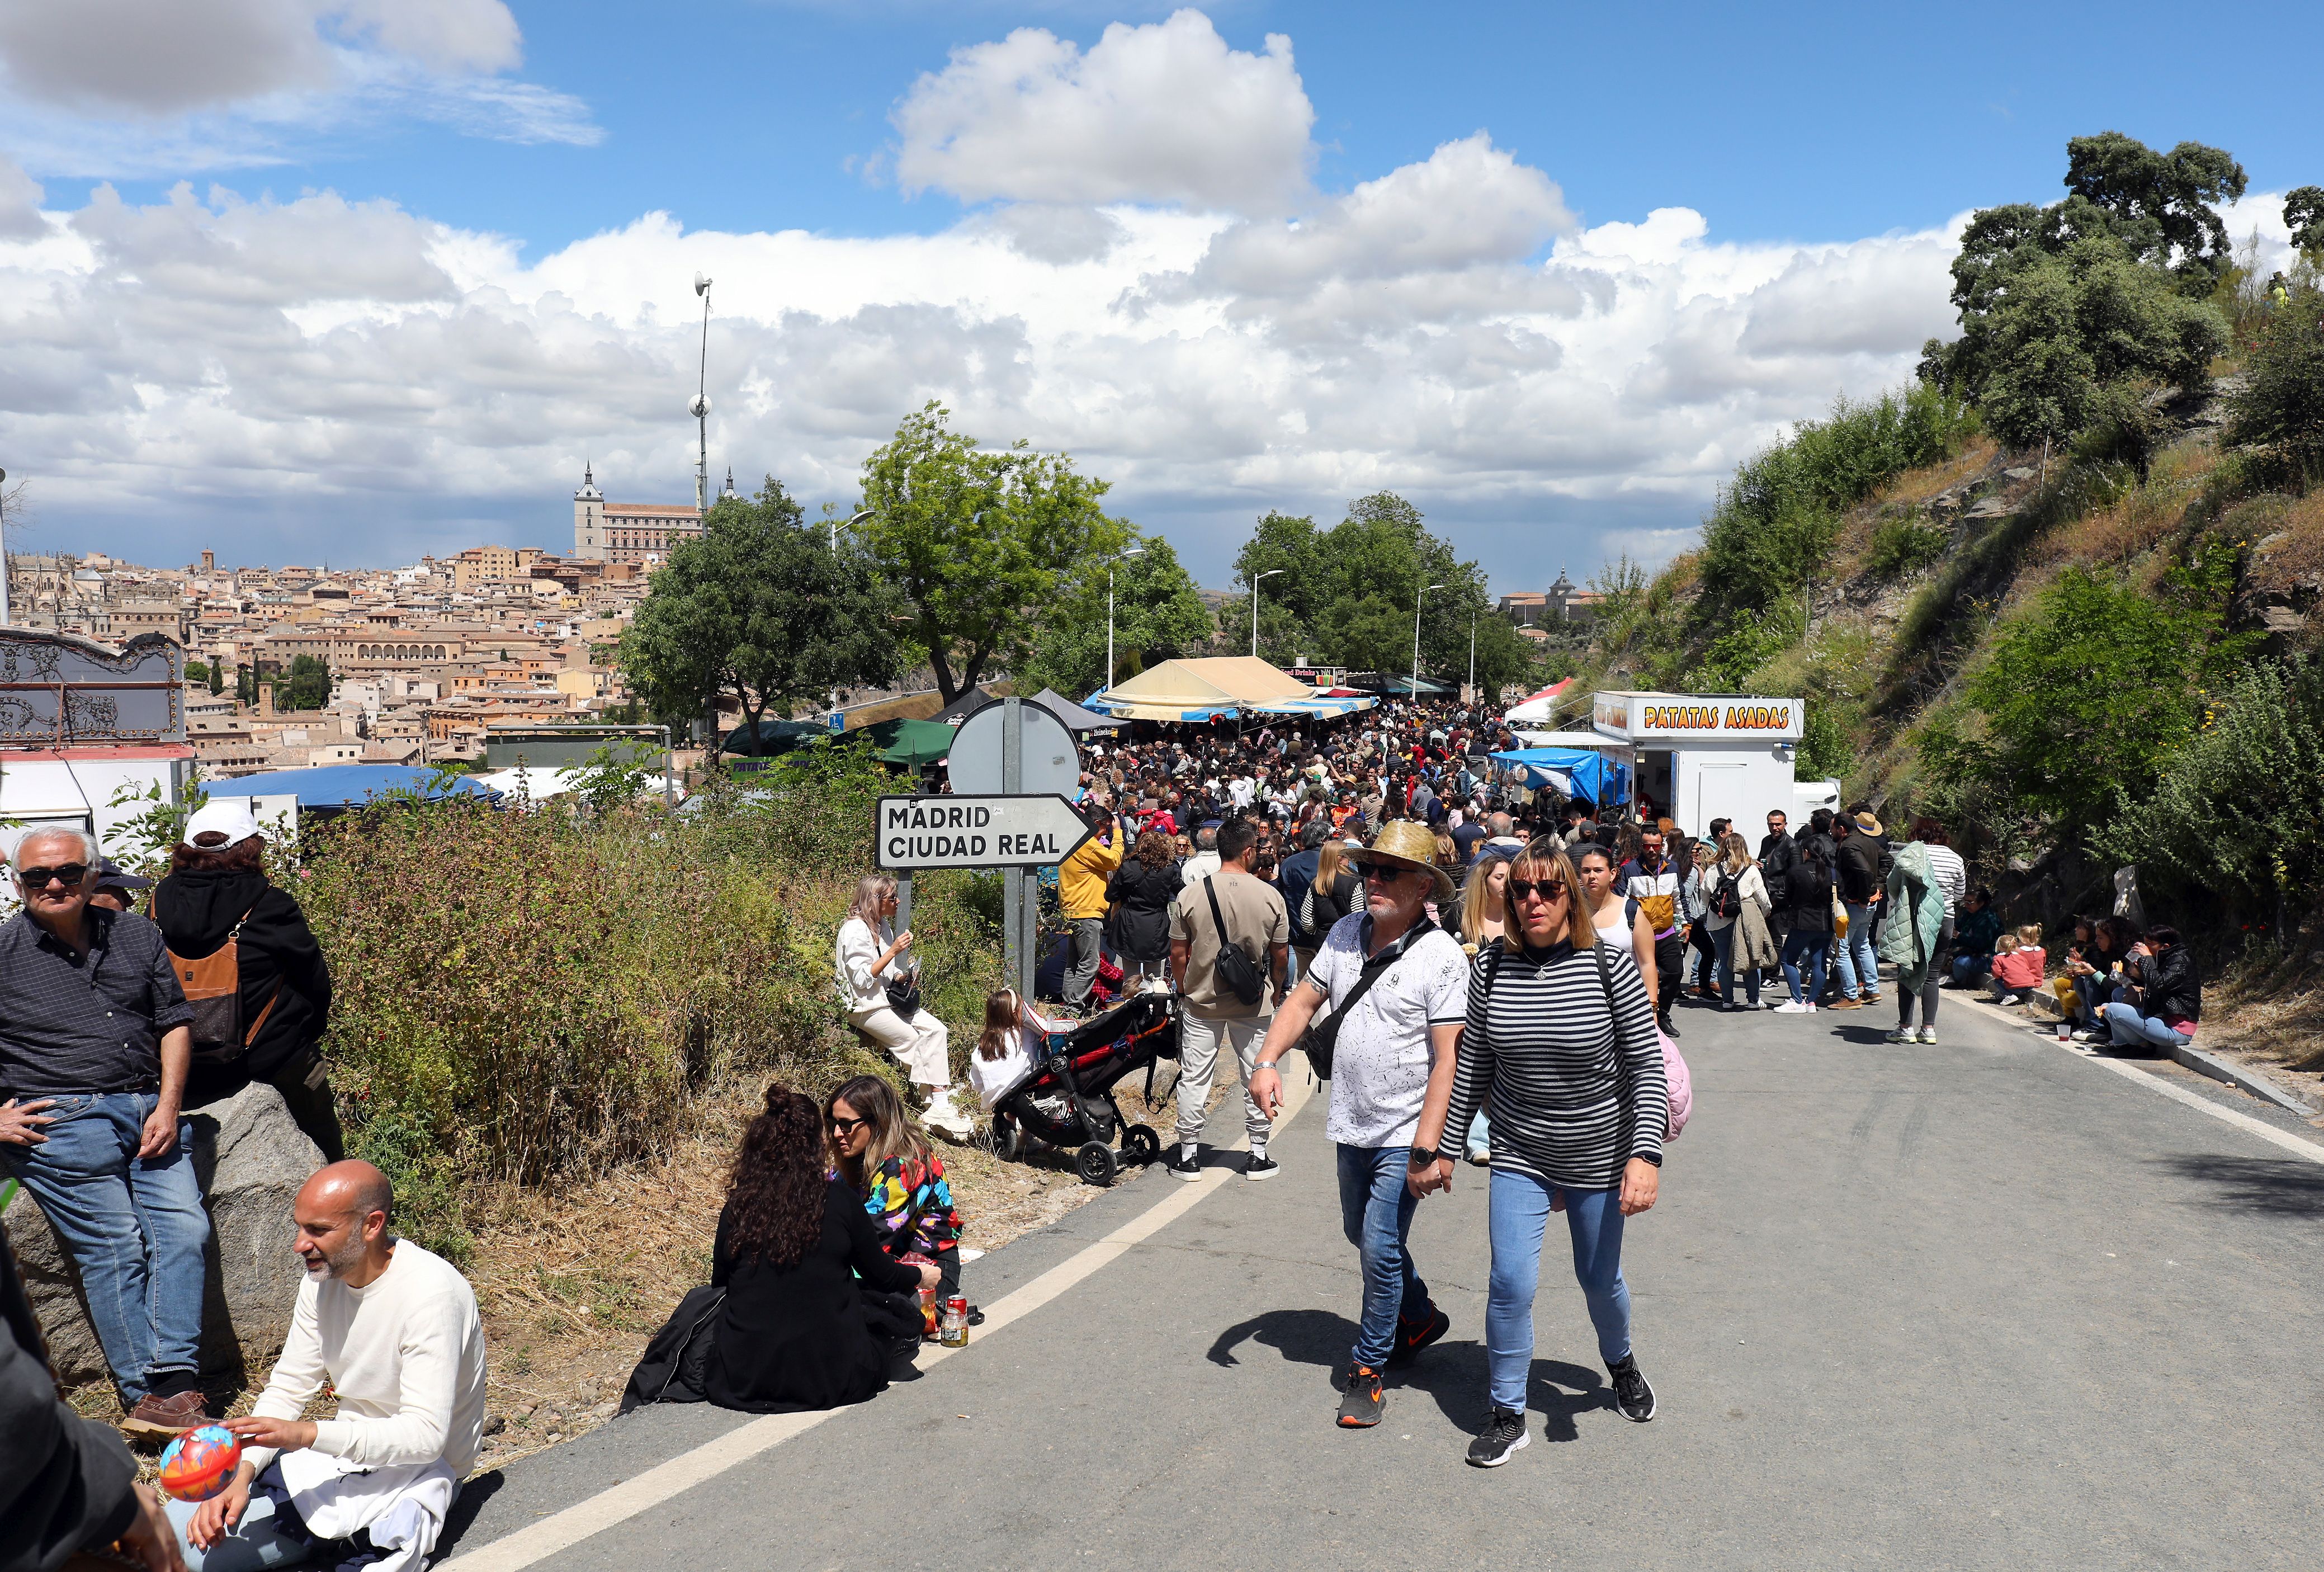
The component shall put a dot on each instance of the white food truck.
(1703, 756)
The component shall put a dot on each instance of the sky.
(350, 281)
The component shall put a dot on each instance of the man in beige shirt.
(1255, 921)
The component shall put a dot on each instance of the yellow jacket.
(1081, 877)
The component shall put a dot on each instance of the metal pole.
(1472, 655)
(1109, 625)
(1017, 934)
(1254, 619)
(903, 900)
(669, 778)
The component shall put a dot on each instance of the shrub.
(1905, 545)
(2281, 408)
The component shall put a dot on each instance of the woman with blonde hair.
(1736, 895)
(888, 1166)
(880, 984)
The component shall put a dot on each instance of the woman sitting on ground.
(2158, 1007)
(889, 1168)
(871, 958)
(797, 1330)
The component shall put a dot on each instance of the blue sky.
(1818, 150)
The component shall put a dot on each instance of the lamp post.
(835, 527)
(1414, 692)
(1126, 555)
(1254, 606)
(1472, 655)
(700, 408)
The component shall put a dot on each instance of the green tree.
(197, 672)
(217, 677)
(2304, 213)
(308, 685)
(245, 686)
(1159, 616)
(758, 609)
(2161, 203)
(980, 544)
(2282, 406)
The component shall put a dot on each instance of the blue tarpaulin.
(338, 785)
(1575, 772)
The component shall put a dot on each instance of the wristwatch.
(1423, 1157)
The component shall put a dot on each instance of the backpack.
(1726, 900)
(213, 987)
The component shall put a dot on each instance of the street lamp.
(1472, 655)
(835, 527)
(1133, 551)
(700, 408)
(1415, 691)
(1254, 606)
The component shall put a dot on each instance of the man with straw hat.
(1396, 986)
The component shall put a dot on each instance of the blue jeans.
(270, 1533)
(1859, 962)
(1518, 1214)
(134, 1229)
(1376, 1209)
(1724, 939)
(2132, 1030)
(1805, 944)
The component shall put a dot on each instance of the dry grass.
(2294, 549)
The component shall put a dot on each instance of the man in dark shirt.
(95, 1041)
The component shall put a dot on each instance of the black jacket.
(1860, 878)
(1143, 933)
(65, 1481)
(1807, 895)
(278, 959)
(2173, 991)
(807, 1335)
(1776, 853)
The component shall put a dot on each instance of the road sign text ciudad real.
(932, 832)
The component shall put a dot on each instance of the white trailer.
(1703, 756)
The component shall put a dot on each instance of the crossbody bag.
(1235, 968)
(1320, 1040)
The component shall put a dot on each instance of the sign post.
(1016, 944)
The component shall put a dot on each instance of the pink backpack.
(1681, 1085)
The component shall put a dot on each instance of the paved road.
(1976, 1305)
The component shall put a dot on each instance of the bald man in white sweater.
(393, 1328)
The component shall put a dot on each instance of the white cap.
(230, 816)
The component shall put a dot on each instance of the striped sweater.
(1571, 1101)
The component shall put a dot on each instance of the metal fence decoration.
(57, 690)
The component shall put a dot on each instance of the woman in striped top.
(1560, 1042)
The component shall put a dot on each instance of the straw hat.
(1401, 841)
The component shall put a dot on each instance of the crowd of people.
(1477, 972)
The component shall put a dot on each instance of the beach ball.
(200, 1463)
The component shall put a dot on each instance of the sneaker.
(1794, 1007)
(1869, 998)
(166, 1416)
(2086, 1037)
(1632, 1395)
(1929, 1034)
(1845, 1005)
(1411, 1336)
(1504, 1433)
(1903, 1034)
(1184, 1167)
(1261, 1168)
(2008, 1000)
(1365, 1399)
(1664, 1023)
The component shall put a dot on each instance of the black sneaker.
(1412, 1337)
(1184, 1167)
(1632, 1395)
(1261, 1168)
(1365, 1400)
(1504, 1433)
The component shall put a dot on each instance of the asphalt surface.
(1981, 1304)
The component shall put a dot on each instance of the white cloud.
(19, 203)
(112, 89)
(1161, 112)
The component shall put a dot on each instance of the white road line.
(563, 1530)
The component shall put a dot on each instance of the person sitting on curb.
(889, 1167)
(393, 1329)
(2158, 1007)
(95, 1039)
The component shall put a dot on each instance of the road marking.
(583, 1518)
(2234, 1116)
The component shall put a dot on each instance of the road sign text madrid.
(1028, 831)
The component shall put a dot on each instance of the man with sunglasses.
(1395, 1043)
(95, 1037)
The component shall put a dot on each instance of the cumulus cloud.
(19, 203)
(1161, 112)
(137, 88)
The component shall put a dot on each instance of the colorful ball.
(200, 1463)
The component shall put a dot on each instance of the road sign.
(1051, 762)
(1031, 830)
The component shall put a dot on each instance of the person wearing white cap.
(269, 990)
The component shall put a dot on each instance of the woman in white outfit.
(872, 955)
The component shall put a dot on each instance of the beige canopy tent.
(1217, 686)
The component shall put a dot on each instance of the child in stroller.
(1054, 1082)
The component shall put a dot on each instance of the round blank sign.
(1049, 759)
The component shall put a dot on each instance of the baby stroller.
(1069, 1099)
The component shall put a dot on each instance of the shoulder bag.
(1235, 969)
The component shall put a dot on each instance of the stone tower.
(589, 519)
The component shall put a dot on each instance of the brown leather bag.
(213, 987)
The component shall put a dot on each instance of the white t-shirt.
(1380, 1063)
(1951, 876)
(995, 1078)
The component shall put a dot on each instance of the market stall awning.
(1324, 705)
(1216, 686)
(342, 785)
(1403, 687)
(1573, 771)
(912, 742)
(1536, 707)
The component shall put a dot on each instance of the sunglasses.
(1383, 872)
(1525, 889)
(840, 1126)
(38, 878)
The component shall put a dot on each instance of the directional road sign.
(1029, 830)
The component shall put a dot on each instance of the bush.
(2281, 408)
(1905, 545)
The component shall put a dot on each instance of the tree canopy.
(979, 542)
(1159, 616)
(760, 610)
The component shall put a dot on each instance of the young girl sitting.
(1011, 1047)
(2018, 963)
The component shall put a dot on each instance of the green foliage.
(981, 543)
(759, 610)
(2304, 214)
(2159, 203)
(2239, 810)
(1774, 523)
(142, 841)
(2085, 699)
(2282, 407)
(1751, 641)
(245, 686)
(1904, 544)
(217, 677)
(306, 687)
(614, 776)
(197, 672)
(1158, 615)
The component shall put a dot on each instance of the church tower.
(589, 519)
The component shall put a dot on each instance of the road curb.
(2235, 1075)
